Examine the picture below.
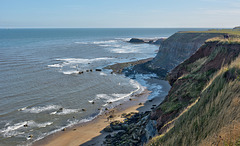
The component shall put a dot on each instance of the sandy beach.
(91, 133)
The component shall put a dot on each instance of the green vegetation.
(217, 107)
(220, 31)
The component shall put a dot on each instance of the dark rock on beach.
(136, 129)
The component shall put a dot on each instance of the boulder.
(108, 129)
(98, 70)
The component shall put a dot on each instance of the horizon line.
(110, 27)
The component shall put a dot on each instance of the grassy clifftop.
(203, 106)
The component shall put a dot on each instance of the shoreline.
(92, 133)
(86, 132)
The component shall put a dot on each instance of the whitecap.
(81, 43)
(70, 72)
(12, 130)
(103, 74)
(41, 108)
(105, 42)
(65, 111)
(81, 60)
(55, 65)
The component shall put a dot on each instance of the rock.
(59, 110)
(98, 70)
(83, 109)
(91, 70)
(81, 72)
(108, 136)
(30, 136)
(134, 136)
(64, 129)
(106, 109)
(87, 70)
(136, 40)
(117, 127)
(93, 102)
(108, 129)
(124, 126)
(140, 103)
(130, 99)
(134, 141)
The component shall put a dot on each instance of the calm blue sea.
(39, 84)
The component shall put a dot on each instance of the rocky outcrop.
(148, 41)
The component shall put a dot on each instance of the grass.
(217, 107)
(220, 31)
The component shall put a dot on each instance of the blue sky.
(119, 13)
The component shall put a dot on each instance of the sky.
(119, 13)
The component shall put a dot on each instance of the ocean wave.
(124, 39)
(105, 42)
(85, 43)
(70, 72)
(154, 88)
(55, 65)
(12, 130)
(97, 42)
(81, 60)
(40, 109)
(103, 74)
(64, 111)
(125, 49)
(116, 97)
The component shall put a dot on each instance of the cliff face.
(202, 106)
(173, 51)
(179, 47)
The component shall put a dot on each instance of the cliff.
(202, 107)
(173, 51)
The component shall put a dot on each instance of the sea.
(41, 91)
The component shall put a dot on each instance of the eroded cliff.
(202, 107)
(173, 51)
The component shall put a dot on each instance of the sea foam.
(40, 109)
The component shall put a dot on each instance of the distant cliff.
(173, 51)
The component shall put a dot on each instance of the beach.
(91, 133)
